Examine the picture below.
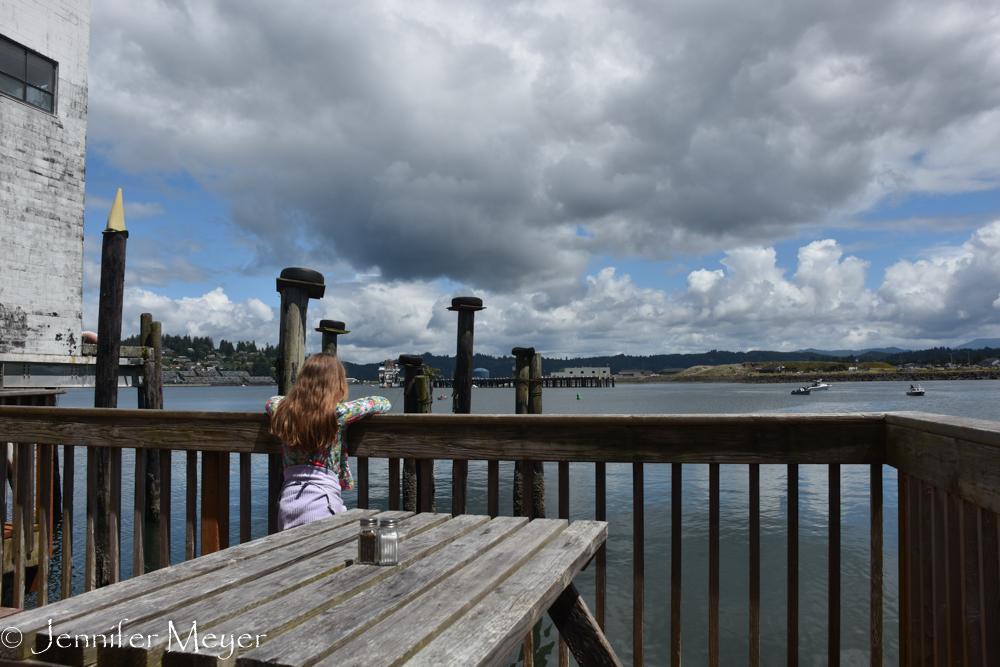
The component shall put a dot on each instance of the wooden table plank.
(492, 629)
(33, 621)
(293, 617)
(324, 633)
(203, 615)
(403, 633)
(158, 603)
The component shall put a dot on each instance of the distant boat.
(801, 391)
(819, 384)
(915, 391)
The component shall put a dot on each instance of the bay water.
(977, 399)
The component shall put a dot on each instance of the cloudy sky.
(609, 176)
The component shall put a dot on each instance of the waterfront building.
(388, 374)
(44, 49)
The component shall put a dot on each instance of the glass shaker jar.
(368, 542)
(388, 538)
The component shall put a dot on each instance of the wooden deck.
(949, 496)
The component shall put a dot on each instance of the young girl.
(312, 423)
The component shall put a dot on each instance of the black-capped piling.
(330, 330)
(467, 307)
(296, 286)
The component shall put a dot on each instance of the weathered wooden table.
(465, 592)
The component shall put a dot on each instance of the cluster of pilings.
(297, 286)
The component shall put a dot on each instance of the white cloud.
(212, 314)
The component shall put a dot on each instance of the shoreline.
(804, 379)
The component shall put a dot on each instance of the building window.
(27, 76)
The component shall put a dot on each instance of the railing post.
(23, 510)
(467, 307)
(44, 514)
(296, 287)
(67, 520)
(792, 613)
(833, 590)
(754, 574)
(676, 525)
(601, 575)
(903, 523)
(106, 507)
(875, 642)
(713, 564)
(638, 564)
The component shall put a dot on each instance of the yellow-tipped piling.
(116, 219)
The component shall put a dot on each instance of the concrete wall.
(42, 170)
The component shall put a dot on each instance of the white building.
(44, 48)
(586, 371)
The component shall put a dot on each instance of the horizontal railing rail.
(856, 438)
(949, 494)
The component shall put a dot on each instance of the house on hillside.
(771, 369)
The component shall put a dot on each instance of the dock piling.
(146, 552)
(416, 473)
(528, 401)
(105, 506)
(467, 307)
(296, 286)
(330, 330)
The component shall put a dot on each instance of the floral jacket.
(334, 455)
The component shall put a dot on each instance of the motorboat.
(819, 384)
(801, 391)
(915, 390)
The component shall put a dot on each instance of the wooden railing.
(949, 497)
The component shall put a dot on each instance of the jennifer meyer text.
(184, 639)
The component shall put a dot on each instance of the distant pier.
(547, 382)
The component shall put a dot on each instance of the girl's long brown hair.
(307, 417)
